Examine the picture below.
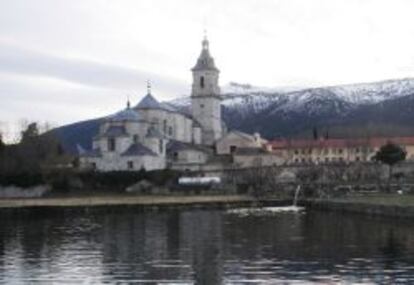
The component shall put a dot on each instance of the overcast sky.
(64, 61)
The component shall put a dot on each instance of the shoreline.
(387, 206)
(134, 200)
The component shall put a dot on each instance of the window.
(233, 148)
(136, 138)
(202, 81)
(340, 151)
(202, 106)
(175, 155)
(170, 131)
(164, 126)
(130, 164)
(161, 146)
(93, 165)
(296, 152)
(357, 158)
(111, 144)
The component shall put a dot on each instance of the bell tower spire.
(205, 95)
(205, 41)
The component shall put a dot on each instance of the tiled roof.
(80, 150)
(173, 146)
(169, 107)
(149, 102)
(240, 134)
(138, 149)
(124, 115)
(339, 143)
(250, 151)
(115, 131)
(92, 153)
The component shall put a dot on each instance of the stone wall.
(392, 211)
(19, 192)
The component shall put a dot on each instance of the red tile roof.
(339, 143)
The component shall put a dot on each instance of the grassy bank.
(385, 205)
(378, 199)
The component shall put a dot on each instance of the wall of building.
(120, 163)
(173, 125)
(243, 161)
(207, 111)
(224, 145)
(189, 156)
(327, 154)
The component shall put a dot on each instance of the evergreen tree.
(31, 132)
(390, 154)
(2, 144)
(315, 133)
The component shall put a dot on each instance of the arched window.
(111, 144)
(202, 81)
(136, 138)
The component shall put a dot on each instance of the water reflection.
(202, 247)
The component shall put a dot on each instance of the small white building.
(233, 140)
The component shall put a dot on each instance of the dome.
(125, 115)
(149, 102)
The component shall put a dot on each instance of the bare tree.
(261, 180)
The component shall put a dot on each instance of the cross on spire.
(205, 41)
(148, 87)
(128, 102)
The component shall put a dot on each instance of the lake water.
(115, 245)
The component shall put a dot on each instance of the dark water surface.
(202, 247)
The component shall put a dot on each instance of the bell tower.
(205, 96)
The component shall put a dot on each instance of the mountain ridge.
(291, 113)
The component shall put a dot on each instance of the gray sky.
(64, 61)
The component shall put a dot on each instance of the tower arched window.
(161, 146)
(202, 81)
(136, 138)
(111, 144)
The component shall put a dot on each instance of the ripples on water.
(113, 245)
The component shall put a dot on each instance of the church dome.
(149, 102)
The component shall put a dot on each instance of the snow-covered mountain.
(236, 95)
(274, 111)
